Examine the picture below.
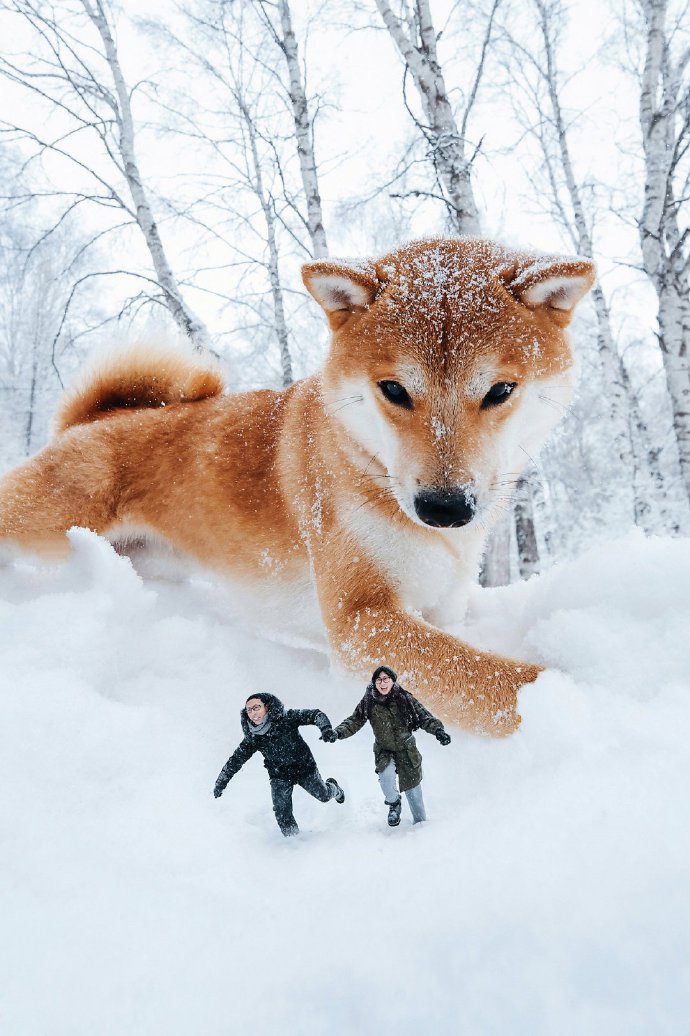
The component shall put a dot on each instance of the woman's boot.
(394, 809)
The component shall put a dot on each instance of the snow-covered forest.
(166, 169)
(172, 171)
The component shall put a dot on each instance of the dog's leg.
(70, 482)
(367, 626)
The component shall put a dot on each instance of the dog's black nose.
(446, 508)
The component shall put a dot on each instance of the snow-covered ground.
(548, 894)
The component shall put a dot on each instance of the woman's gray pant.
(389, 786)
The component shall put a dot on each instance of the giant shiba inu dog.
(359, 498)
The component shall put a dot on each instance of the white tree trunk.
(417, 47)
(496, 565)
(525, 532)
(610, 365)
(304, 136)
(185, 318)
(266, 203)
(31, 405)
(674, 338)
(663, 117)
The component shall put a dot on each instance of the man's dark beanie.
(261, 696)
(384, 669)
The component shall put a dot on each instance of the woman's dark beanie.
(384, 669)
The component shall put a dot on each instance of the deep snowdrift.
(549, 892)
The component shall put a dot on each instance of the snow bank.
(548, 893)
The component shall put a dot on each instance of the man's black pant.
(281, 793)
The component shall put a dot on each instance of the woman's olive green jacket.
(393, 719)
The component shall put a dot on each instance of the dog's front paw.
(494, 708)
(502, 722)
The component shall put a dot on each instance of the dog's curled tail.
(145, 377)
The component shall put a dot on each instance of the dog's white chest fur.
(432, 574)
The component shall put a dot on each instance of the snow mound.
(547, 894)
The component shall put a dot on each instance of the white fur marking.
(480, 382)
(410, 375)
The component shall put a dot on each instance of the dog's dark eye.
(498, 394)
(395, 393)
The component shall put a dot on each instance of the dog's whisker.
(341, 399)
(555, 404)
(371, 461)
(366, 478)
(380, 496)
(351, 403)
(530, 458)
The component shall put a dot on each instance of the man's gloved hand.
(329, 735)
(442, 737)
(218, 791)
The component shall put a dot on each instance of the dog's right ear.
(342, 289)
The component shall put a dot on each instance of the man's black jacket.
(286, 754)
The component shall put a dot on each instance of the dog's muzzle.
(445, 508)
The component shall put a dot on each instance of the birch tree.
(452, 157)
(536, 84)
(268, 209)
(578, 228)
(75, 77)
(664, 224)
(655, 511)
(229, 114)
(278, 19)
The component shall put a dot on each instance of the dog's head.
(450, 364)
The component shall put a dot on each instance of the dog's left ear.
(340, 288)
(552, 283)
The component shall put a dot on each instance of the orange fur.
(310, 493)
